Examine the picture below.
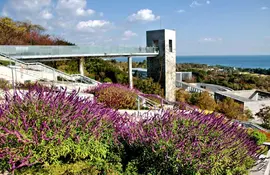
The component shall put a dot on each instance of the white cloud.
(264, 8)
(29, 5)
(128, 34)
(4, 12)
(46, 14)
(143, 15)
(181, 11)
(74, 7)
(82, 12)
(208, 2)
(209, 39)
(195, 4)
(93, 25)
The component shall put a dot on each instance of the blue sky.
(213, 27)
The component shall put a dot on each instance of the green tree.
(203, 100)
(182, 95)
(264, 114)
(148, 86)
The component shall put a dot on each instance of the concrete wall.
(163, 67)
(182, 76)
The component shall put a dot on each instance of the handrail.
(51, 69)
(150, 102)
(24, 50)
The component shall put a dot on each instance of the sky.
(203, 27)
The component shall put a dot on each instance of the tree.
(204, 101)
(182, 95)
(10, 32)
(148, 86)
(231, 109)
(264, 114)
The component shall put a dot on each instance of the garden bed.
(48, 132)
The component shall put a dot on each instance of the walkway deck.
(64, 52)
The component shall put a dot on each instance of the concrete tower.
(163, 67)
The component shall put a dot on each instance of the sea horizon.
(238, 61)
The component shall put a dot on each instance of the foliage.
(258, 136)
(182, 95)
(264, 114)
(180, 143)
(6, 63)
(228, 77)
(203, 100)
(25, 33)
(47, 128)
(148, 86)
(4, 84)
(101, 70)
(115, 96)
(46, 131)
(231, 109)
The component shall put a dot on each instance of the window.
(155, 43)
(170, 45)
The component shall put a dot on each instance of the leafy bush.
(52, 129)
(182, 95)
(264, 114)
(4, 84)
(115, 96)
(44, 131)
(203, 100)
(6, 63)
(148, 86)
(258, 136)
(232, 109)
(180, 143)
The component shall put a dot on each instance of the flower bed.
(48, 132)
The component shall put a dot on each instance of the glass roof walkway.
(60, 52)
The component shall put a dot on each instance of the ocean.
(254, 61)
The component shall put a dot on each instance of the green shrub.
(4, 84)
(258, 136)
(6, 63)
(264, 114)
(148, 86)
(55, 130)
(107, 80)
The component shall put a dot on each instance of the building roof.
(242, 95)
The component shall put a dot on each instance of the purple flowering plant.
(44, 128)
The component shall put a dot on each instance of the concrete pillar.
(130, 78)
(163, 67)
(81, 66)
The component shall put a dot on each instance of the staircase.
(38, 71)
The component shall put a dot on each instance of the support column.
(130, 78)
(81, 66)
(163, 67)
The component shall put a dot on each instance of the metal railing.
(34, 69)
(145, 102)
(72, 50)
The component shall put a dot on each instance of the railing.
(191, 88)
(145, 102)
(72, 50)
(42, 68)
